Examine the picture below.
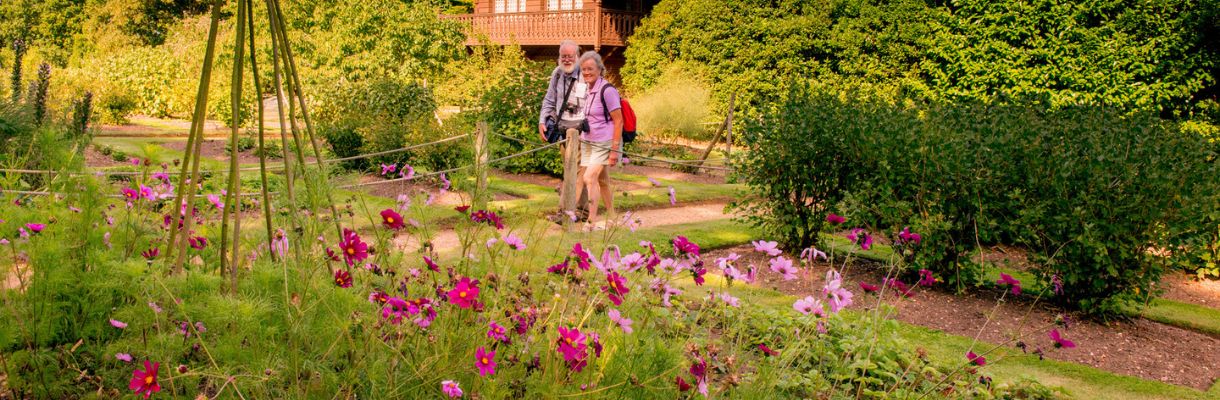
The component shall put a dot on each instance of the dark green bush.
(115, 107)
(387, 114)
(1088, 190)
(510, 107)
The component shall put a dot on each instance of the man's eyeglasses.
(568, 56)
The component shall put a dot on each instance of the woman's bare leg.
(593, 186)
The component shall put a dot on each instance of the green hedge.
(1088, 190)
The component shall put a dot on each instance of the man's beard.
(567, 69)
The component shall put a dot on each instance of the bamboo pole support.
(482, 156)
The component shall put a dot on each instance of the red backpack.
(628, 115)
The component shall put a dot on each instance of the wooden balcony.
(595, 27)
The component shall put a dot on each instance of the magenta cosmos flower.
(465, 294)
(616, 288)
(451, 389)
(976, 359)
(1060, 342)
(118, 324)
(767, 350)
(834, 219)
(145, 382)
(1008, 280)
(861, 237)
(572, 344)
(926, 278)
(353, 249)
(485, 361)
(906, 236)
(391, 219)
(682, 245)
(343, 278)
(130, 194)
(150, 254)
(497, 332)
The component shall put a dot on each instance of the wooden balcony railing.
(597, 27)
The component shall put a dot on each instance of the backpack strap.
(559, 107)
(602, 95)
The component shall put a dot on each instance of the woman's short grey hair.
(597, 59)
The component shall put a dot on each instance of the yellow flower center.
(389, 219)
(485, 360)
(148, 380)
(462, 294)
(351, 251)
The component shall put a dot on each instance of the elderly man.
(564, 104)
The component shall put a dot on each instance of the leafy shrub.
(244, 144)
(510, 107)
(1087, 189)
(374, 116)
(114, 108)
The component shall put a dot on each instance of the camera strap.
(559, 107)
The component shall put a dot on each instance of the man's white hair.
(569, 43)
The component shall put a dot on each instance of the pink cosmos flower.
(118, 324)
(727, 261)
(485, 361)
(497, 332)
(36, 228)
(124, 357)
(391, 219)
(343, 278)
(835, 219)
(654, 182)
(771, 248)
(388, 169)
(465, 293)
(145, 382)
(1060, 342)
(730, 300)
(215, 200)
(673, 199)
(353, 249)
(1008, 280)
(445, 184)
(1056, 284)
(153, 305)
(451, 389)
(404, 202)
(408, 172)
(617, 318)
(976, 359)
(809, 255)
(616, 288)
(809, 305)
(279, 243)
(839, 296)
(782, 265)
(514, 242)
(147, 193)
(697, 271)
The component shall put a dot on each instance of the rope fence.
(685, 163)
(269, 167)
(348, 186)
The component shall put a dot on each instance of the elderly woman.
(601, 145)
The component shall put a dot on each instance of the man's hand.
(542, 132)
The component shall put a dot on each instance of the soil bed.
(1138, 347)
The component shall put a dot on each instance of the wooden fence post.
(569, 193)
(726, 126)
(482, 157)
